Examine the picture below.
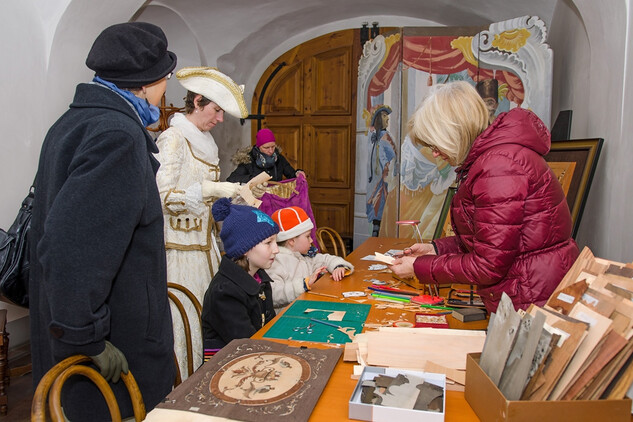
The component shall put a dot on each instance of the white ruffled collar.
(202, 143)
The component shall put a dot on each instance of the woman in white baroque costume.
(189, 183)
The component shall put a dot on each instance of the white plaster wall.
(612, 234)
(73, 36)
(181, 40)
(35, 91)
(23, 96)
(572, 54)
(593, 84)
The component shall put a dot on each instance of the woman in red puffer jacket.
(510, 217)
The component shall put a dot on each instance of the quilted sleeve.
(498, 188)
(286, 287)
(446, 245)
(331, 262)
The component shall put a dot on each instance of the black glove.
(111, 362)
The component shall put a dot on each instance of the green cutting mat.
(294, 322)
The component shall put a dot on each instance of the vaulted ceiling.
(236, 34)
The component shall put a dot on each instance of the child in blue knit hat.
(239, 300)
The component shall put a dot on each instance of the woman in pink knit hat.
(264, 156)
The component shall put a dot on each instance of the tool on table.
(428, 300)
(322, 294)
(444, 308)
(308, 329)
(354, 293)
(348, 331)
(389, 289)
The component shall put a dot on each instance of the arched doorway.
(310, 105)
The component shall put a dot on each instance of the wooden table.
(333, 403)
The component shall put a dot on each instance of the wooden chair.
(54, 379)
(330, 241)
(183, 314)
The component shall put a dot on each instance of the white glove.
(259, 190)
(220, 189)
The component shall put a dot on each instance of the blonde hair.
(449, 119)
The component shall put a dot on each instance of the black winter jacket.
(235, 305)
(98, 267)
(247, 167)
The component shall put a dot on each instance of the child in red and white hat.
(293, 272)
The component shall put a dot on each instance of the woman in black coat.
(263, 156)
(98, 282)
(239, 299)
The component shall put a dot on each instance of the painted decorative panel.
(510, 65)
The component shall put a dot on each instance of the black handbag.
(14, 256)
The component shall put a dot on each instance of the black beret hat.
(131, 55)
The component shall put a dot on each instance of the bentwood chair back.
(331, 242)
(186, 323)
(54, 379)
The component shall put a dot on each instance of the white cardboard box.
(375, 413)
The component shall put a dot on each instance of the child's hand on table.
(339, 273)
(315, 276)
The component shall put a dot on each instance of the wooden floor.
(20, 390)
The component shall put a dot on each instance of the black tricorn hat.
(131, 55)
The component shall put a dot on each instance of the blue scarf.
(264, 161)
(312, 252)
(148, 113)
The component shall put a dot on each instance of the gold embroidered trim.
(212, 167)
(179, 247)
(211, 229)
(190, 224)
(168, 203)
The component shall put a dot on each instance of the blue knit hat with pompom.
(243, 228)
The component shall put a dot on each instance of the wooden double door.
(310, 105)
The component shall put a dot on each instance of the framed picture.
(444, 227)
(574, 163)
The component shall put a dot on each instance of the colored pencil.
(391, 297)
(447, 308)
